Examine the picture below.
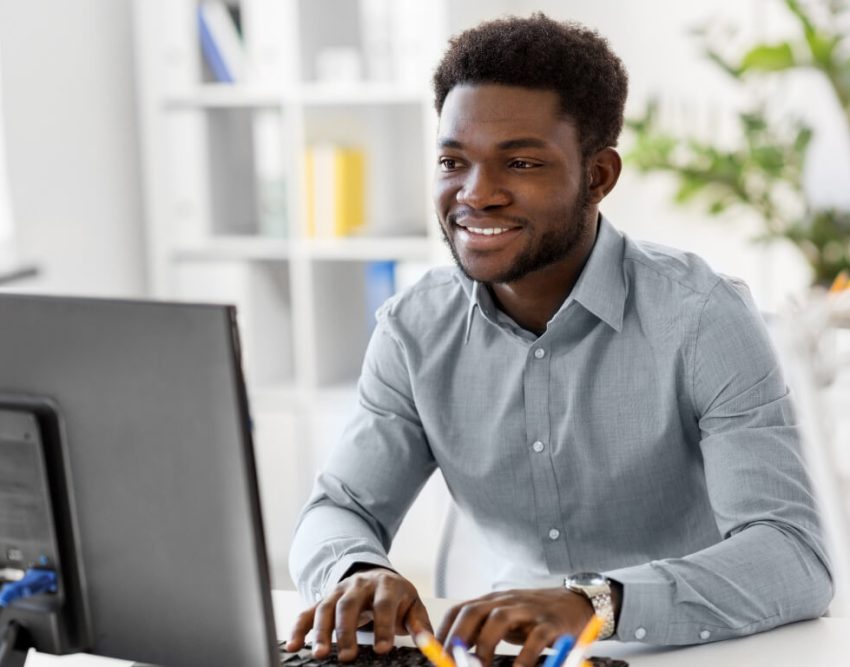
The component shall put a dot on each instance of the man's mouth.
(484, 231)
(472, 236)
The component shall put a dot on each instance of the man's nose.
(482, 189)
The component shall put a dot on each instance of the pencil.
(585, 639)
(432, 650)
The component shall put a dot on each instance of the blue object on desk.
(35, 581)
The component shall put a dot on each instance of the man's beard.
(554, 246)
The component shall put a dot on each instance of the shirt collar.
(601, 287)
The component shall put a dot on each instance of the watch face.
(587, 579)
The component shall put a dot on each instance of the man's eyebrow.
(507, 145)
(449, 143)
(524, 142)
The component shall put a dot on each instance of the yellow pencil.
(585, 639)
(432, 650)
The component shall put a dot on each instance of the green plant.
(764, 172)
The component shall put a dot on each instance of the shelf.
(418, 248)
(236, 248)
(368, 248)
(226, 182)
(252, 96)
(226, 96)
(357, 93)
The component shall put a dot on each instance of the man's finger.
(538, 639)
(303, 625)
(348, 610)
(447, 622)
(468, 622)
(385, 609)
(323, 622)
(495, 627)
(416, 619)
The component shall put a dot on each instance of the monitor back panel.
(162, 471)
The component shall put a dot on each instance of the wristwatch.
(597, 589)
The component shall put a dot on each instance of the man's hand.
(377, 594)
(534, 618)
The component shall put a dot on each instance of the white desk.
(824, 642)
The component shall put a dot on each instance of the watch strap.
(601, 601)
(603, 607)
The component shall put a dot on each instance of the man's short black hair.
(540, 53)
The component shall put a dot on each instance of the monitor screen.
(161, 482)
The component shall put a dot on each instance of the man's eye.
(447, 163)
(522, 164)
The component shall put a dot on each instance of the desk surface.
(819, 643)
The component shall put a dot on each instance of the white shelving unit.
(206, 144)
(226, 210)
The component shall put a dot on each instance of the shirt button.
(640, 633)
(538, 446)
(539, 353)
(554, 534)
(705, 634)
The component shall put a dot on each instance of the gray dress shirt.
(647, 434)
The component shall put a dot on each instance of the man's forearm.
(327, 544)
(753, 581)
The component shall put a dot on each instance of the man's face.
(510, 189)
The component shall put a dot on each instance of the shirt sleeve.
(771, 566)
(371, 478)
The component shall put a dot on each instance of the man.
(595, 404)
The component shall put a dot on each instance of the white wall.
(72, 147)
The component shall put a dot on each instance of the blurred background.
(277, 154)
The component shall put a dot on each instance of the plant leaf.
(768, 58)
(822, 48)
(689, 187)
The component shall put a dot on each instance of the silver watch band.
(597, 589)
(603, 607)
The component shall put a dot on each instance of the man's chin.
(487, 277)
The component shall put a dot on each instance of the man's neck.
(533, 300)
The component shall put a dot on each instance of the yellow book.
(349, 214)
(335, 190)
(309, 194)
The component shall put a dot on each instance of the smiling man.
(610, 413)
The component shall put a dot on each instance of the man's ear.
(604, 169)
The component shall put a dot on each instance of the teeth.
(488, 231)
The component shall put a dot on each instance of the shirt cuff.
(645, 609)
(342, 566)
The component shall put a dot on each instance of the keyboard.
(401, 656)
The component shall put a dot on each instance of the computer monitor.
(142, 406)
